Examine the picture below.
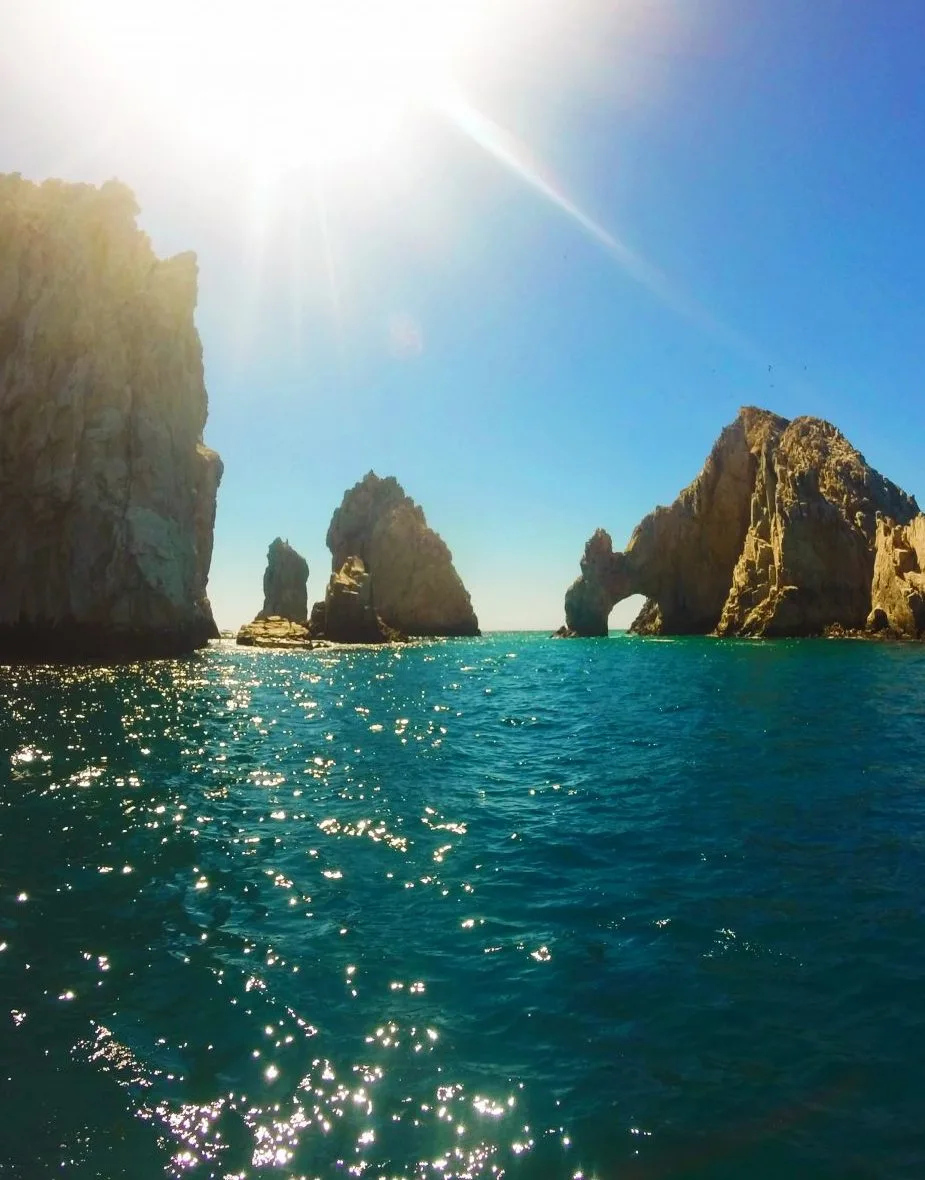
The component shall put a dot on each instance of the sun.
(282, 82)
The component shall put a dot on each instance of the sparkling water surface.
(510, 906)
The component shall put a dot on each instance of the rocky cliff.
(285, 592)
(414, 587)
(786, 531)
(898, 590)
(107, 495)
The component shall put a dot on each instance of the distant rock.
(285, 592)
(347, 614)
(415, 588)
(107, 494)
(786, 531)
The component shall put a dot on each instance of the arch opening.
(625, 611)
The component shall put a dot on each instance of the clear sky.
(535, 295)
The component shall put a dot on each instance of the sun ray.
(515, 156)
(321, 88)
(330, 268)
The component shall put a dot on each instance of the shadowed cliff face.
(415, 588)
(780, 534)
(107, 495)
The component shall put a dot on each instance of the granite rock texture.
(285, 584)
(347, 614)
(274, 631)
(898, 590)
(107, 494)
(415, 588)
(786, 531)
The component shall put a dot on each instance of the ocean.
(514, 906)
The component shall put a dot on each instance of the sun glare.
(285, 85)
(282, 83)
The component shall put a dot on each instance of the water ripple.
(467, 909)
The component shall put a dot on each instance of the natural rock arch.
(786, 531)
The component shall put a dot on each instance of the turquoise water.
(510, 906)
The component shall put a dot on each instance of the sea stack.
(413, 585)
(285, 591)
(108, 494)
(283, 622)
(787, 531)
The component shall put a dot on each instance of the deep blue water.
(624, 908)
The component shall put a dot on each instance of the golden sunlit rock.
(415, 587)
(786, 531)
(108, 496)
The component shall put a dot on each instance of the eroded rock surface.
(274, 631)
(590, 598)
(285, 589)
(415, 588)
(347, 614)
(786, 531)
(107, 494)
(898, 591)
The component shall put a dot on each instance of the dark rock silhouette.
(348, 614)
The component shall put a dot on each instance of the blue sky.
(433, 313)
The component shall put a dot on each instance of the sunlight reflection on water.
(355, 914)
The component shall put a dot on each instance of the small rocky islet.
(109, 492)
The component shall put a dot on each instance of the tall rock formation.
(786, 531)
(285, 591)
(349, 615)
(414, 587)
(107, 495)
(898, 591)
